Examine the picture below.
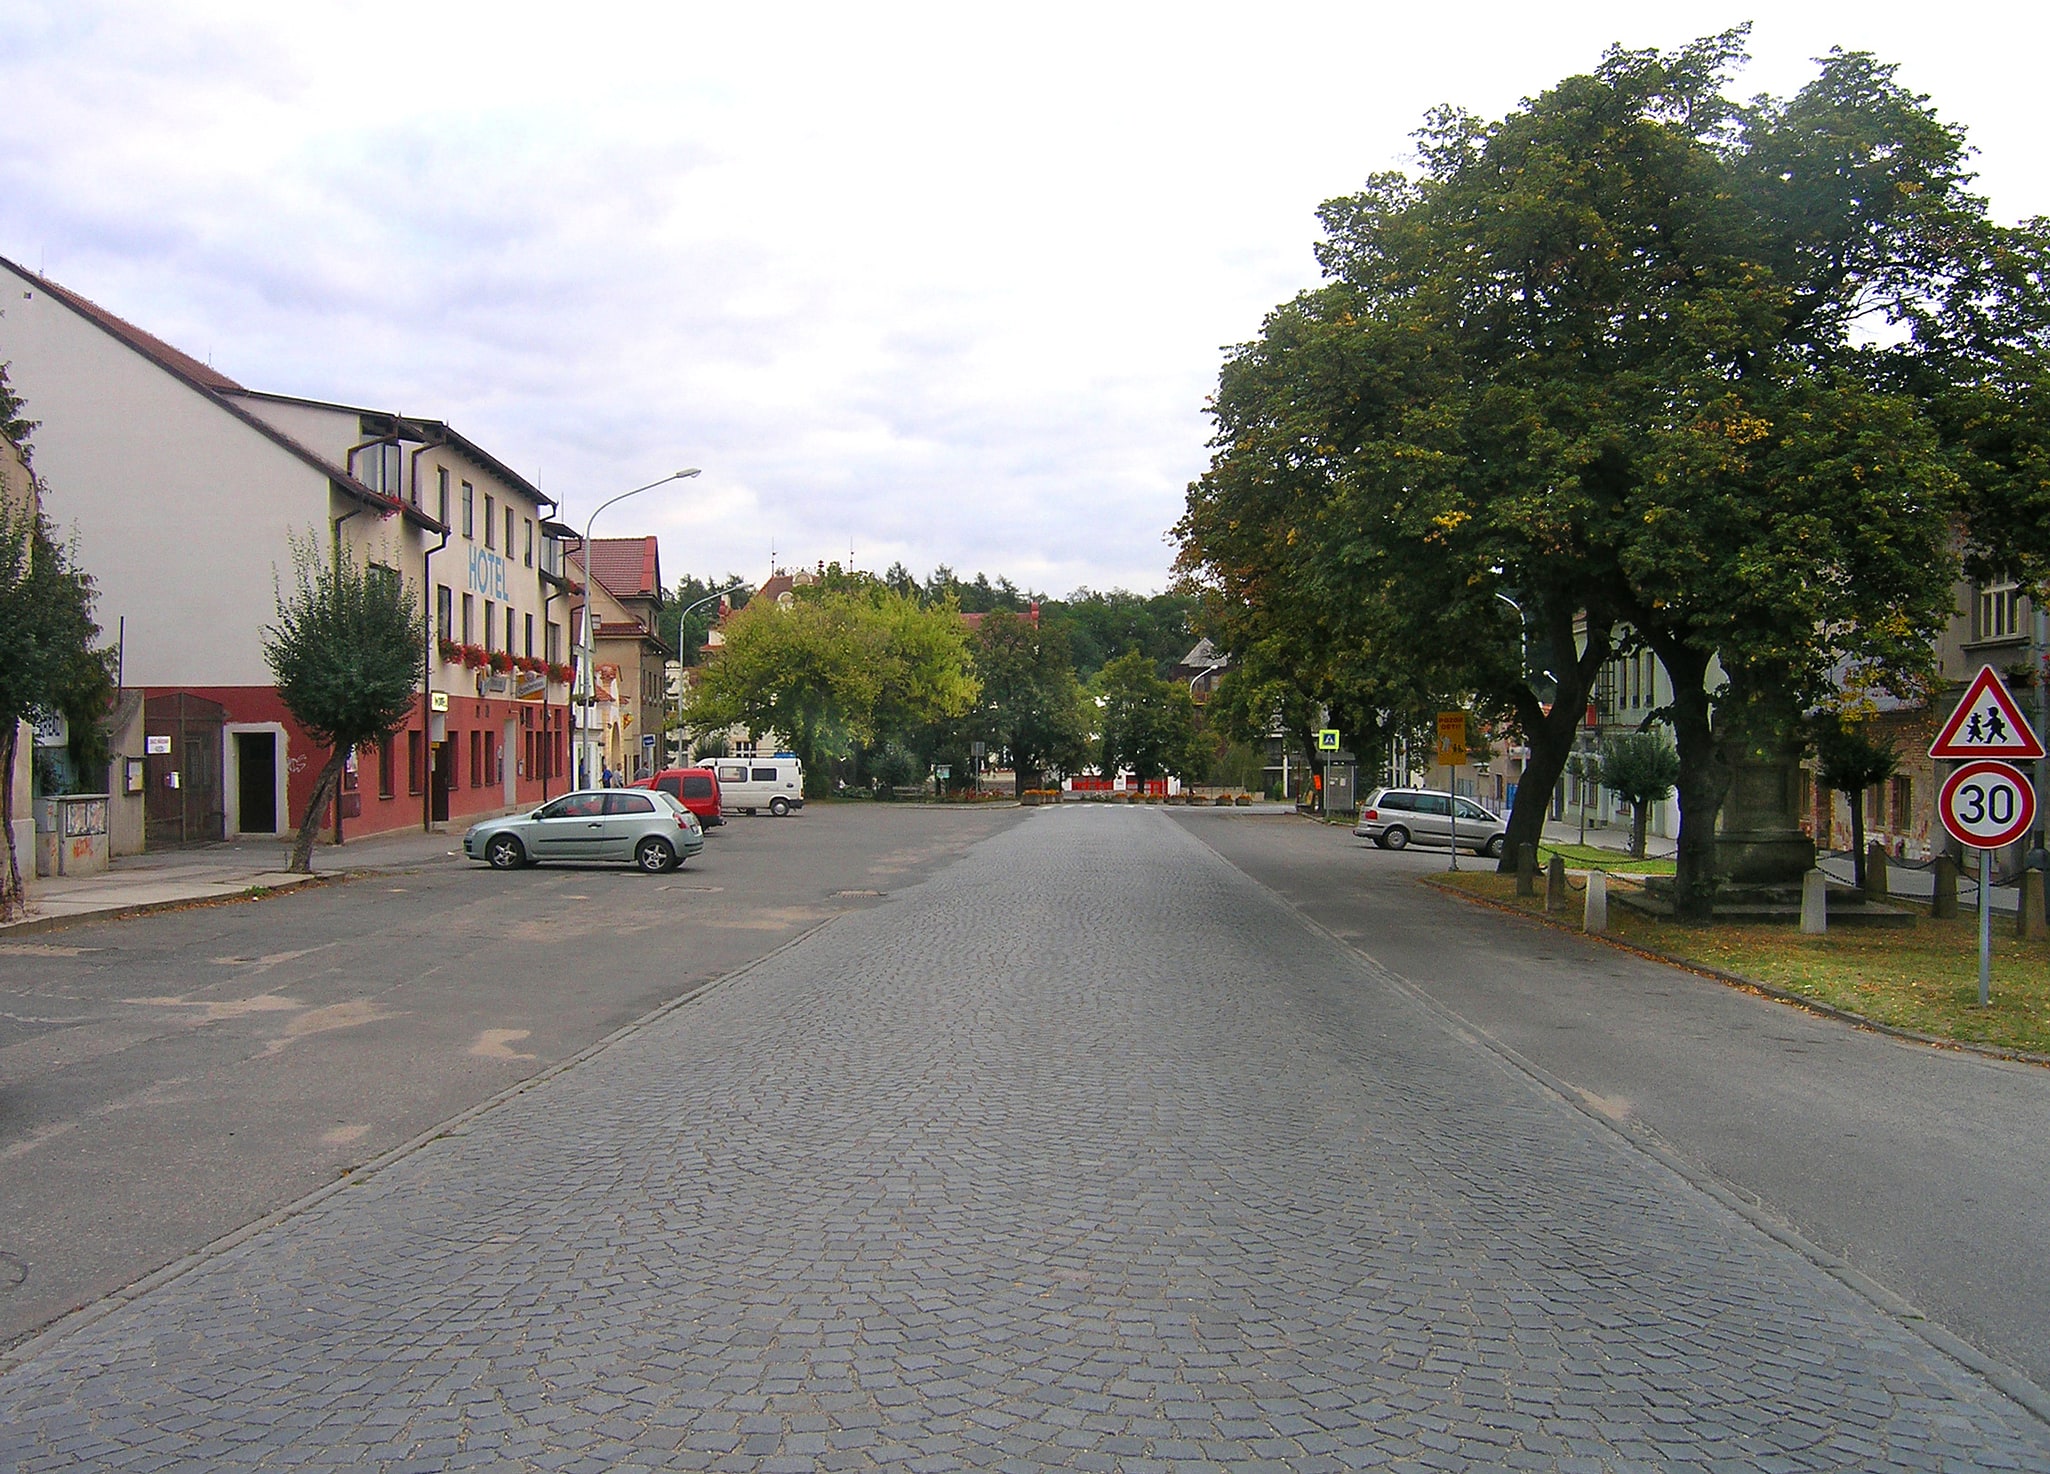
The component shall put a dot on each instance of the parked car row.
(1394, 818)
(656, 825)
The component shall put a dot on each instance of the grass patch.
(1594, 857)
(1924, 978)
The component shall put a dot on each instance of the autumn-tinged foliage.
(1732, 380)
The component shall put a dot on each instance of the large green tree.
(850, 661)
(1031, 705)
(345, 653)
(1639, 362)
(1144, 723)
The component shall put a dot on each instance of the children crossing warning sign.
(1987, 724)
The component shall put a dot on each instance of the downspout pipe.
(427, 655)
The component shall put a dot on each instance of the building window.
(490, 625)
(469, 618)
(553, 650)
(490, 521)
(441, 495)
(494, 773)
(469, 510)
(508, 531)
(386, 768)
(444, 611)
(1903, 803)
(2000, 611)
(380, 467)
(477, 758)
(415, 748)
(530, 541)
(528, 649)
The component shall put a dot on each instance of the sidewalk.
(1607, 836)
(215, 872)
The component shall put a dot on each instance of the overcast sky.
(943, 284)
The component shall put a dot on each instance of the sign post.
(1986, 803)
(1452, 753)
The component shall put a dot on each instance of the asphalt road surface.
(1085, 1153)
(166, 1079)
(1927, 1169)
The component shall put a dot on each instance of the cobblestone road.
(1084, 1155)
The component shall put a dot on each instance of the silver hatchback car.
(1395, 817)
(649, 829)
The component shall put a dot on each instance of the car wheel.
(779, 807)
(1394, 838)
(654, 856)
(505, 853)
(1493, 848)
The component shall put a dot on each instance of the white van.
(772, 783)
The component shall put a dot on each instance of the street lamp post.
(694, 604)
(589, 642)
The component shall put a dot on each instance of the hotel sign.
(488, 574)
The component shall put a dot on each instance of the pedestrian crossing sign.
(1327, 739)
(1987, 724)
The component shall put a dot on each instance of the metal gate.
(182, 770)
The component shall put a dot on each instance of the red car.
(697, 789)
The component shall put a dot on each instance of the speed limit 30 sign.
(1986, 805)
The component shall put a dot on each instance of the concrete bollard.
(1596, 917)
(1555, 885)
(1526, 870)
(1943, 900)
(1814, 903)
(2028, 916)
(1876, 879)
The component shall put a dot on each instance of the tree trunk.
(1637, 825)
(13, 894)
(1704, 781)
(327, 786)
(1857, 836)
(1550, 739)
(1549, 735)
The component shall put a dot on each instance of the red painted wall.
(474, 795)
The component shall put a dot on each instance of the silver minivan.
(1395, 817)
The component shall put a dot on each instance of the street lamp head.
(686, 475)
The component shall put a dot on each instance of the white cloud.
(947, 283)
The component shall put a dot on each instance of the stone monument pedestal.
(1762, 856)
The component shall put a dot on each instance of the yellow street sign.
(1452, 739)
(1327, 739)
